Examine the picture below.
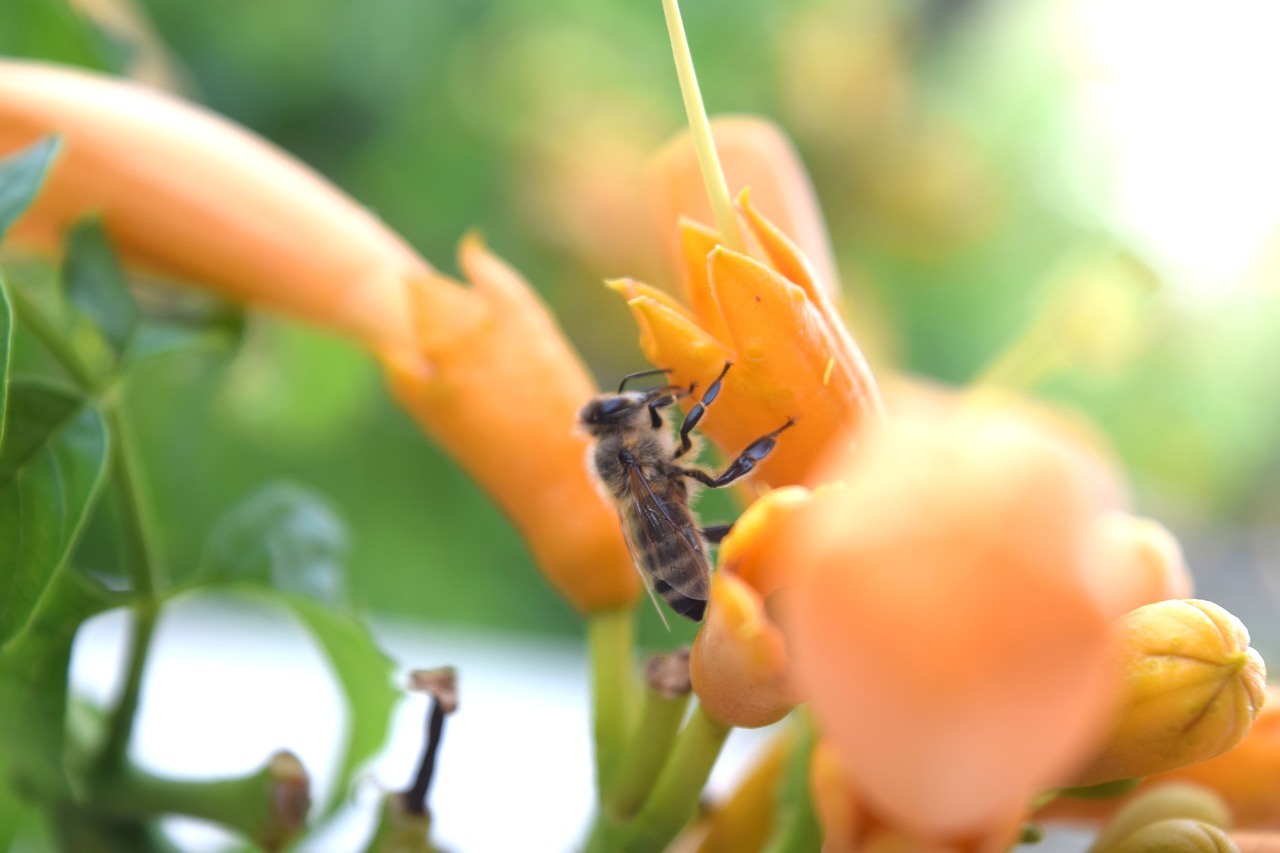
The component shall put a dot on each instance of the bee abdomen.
(690, 608)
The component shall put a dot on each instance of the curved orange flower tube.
(499, 388)
(189, 195)
(485, 369)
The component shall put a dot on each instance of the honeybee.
(635, 463)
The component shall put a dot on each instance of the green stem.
(400, 830)
(268, 807)
(142, 562)
(54, 341)
(646, 752)
(610, 636)
(674, 799)
(141, 554)
(703, 142)
(796, 828)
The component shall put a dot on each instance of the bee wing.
(652, 529)
(638, 562)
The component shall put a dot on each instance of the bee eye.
(614, 406)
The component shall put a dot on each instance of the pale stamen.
(700, 127)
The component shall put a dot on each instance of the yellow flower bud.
(1169, 801)
(1181, 835)
(1191, 689)
(1249, 775)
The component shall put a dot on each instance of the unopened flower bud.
(1169, 801)
(1181, 835)
(754, 550)
(1248, 777)
(739, 662)
(1144, 560)
(1191, 689)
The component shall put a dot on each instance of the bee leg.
(715, 533)
(655, 419)
(699, 409)
(745, 463)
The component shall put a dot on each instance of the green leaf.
(33, 689)
(6, 347)
(284, 537)
(220, 328)
(52, 466)
(286, 541)
(96, 284)
(10, 816)
(79, 828)
(53, 30)
(21, 176)
(365, 674)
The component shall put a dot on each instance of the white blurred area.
(229, 682)
(1186, 94)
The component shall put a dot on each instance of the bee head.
(612, 412)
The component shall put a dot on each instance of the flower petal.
(754, 550)
(785, 367)
(754, 153)
(501, 393)
(673, 341)
(696, 242)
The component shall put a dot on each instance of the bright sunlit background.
(966, 153)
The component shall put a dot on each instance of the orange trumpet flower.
(944, 625)
(189, 195)
(792, 357)
(499, 388)
(486, 371)
(754, 153)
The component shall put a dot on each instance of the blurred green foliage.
(936, 137)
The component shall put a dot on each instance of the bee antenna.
(623, 384)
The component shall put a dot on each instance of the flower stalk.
(674, 799)
(268, 807)
(610, 641)
(141, 554)
(442, 685)
(666, 698)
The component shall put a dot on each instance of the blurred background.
(985, 167)
(975, 160)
